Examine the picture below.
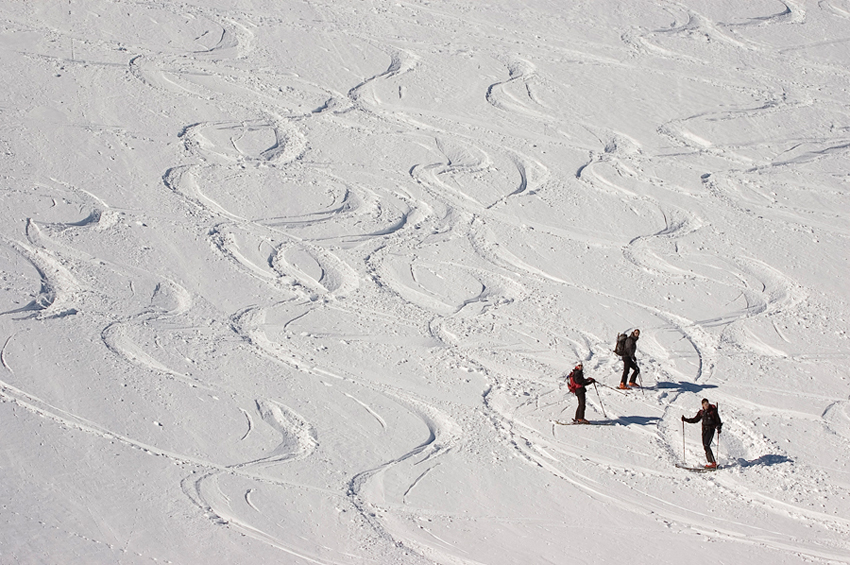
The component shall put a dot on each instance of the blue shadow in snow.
(626, 420)
(682, 386)
(765, 460)
(638, 420)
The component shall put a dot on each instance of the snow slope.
(297, 282)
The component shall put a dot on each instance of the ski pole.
(718, 433)
(684, 456)
(640, 382)
(618, 391)
(603, 406)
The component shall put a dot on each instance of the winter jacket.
(710, 418)
(578, 377)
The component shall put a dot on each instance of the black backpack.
(621, 344)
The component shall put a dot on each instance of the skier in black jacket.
(630, 361)
(577, 377)
(710, 421)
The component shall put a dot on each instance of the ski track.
(58, 295)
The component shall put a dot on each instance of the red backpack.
(572, 386)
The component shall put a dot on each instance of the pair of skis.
(587, 423)
(698, 469)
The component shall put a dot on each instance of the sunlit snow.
(299, 281)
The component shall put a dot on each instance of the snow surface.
(298, 281)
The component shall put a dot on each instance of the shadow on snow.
(626, 420)
(682, 386)
(765, 460)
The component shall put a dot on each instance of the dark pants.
(628, 363)
(707, 437)
(580, 394)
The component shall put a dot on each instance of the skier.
(630, 361)
(577, 386)
(710, 421)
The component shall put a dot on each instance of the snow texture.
(299, 281)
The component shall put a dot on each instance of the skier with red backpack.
(576, 384)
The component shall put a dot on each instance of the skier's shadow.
(638, 420)
(683, 386)
(765, 460)
(626, 420)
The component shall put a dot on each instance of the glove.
(720, 427)
(683, 417)
(591, 380)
